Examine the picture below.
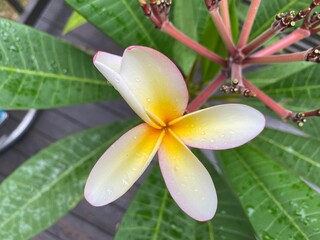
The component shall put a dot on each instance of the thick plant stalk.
(273, 105)
(293, 37)
(206, 93)
(169, 29)
(221, 27)
(247, 25)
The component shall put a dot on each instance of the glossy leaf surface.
(278, 203)
(51, 183)
(40, 71)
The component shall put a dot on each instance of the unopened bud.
(212, 4)
(313, 55)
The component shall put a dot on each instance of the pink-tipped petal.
(122, 164)
(155, 81)
(187, 180)
(109, 65)
(219, 127)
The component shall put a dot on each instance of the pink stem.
(273, 105)
(259, 41)
(282, 58)
(293, 37)
(236, 74)
(247, 25)
(224, 7)
(168, 28)
(226, 37)
(206, 93)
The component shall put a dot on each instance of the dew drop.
(4, 36)
(13, 48)
(250, 210)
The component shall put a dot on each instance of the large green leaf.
(278, 203)
(123, 21)
(51, 183)
(270, 8)
(40, 71)
(154, 215)
(301, 154)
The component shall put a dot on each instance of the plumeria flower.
(155, 89)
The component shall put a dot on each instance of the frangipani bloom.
(155, 89)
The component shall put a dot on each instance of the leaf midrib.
(160, 217)
(53, 75)
(58, 179)
(270, 195)
(293, 152)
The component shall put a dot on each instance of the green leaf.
(278, 203)
(51, 183)
(298, 153)
(212, 41)
(40, 71)
(270, 8)
(154, 215)
(234, 20)
(74, 21)
(123, 21)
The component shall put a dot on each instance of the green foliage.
(40, 71)
(278, 204)
(74, 21)
(125, 16)
(51, 183)
(154, 215)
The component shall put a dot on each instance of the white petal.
(219, 127)
(155, 81)
(109, 65)
(187, 180)
(122, 164)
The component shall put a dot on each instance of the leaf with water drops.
(278, 203)
(298, 153)
(154, 215)
(125, 23)
(51, 183)
(40, 71)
